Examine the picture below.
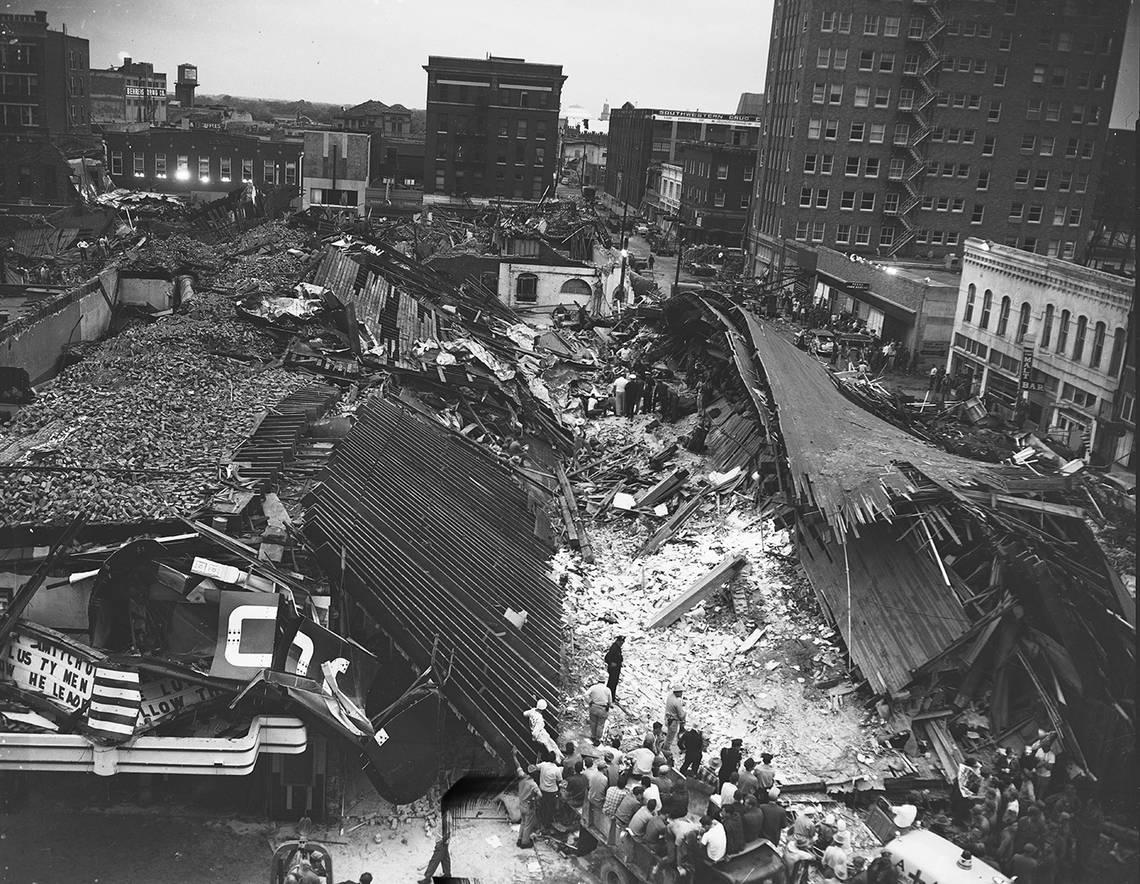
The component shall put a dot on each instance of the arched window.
(1117, 352)
(1022, 322)
(1063, 332)
(987, 305)
(971, 295)
(526, 288)
(577, 288)
(1047, 326)
(1079, 338)
(1003, 315)
(1098, 344)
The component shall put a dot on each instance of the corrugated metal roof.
(902, 612)
(437, 541)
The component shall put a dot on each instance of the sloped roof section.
(437, 543)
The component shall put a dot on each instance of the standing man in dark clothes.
(647, 394)
(614, 660)
(692, 743)
(775, 817)
(730, 759)
(633, 391)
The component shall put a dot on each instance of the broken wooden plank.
(664, 489)
(749, 643)
(571, 505)
(671, 611)
(666, 531)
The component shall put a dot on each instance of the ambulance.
(923, 857)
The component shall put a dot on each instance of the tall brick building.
(492, 128)
(45, 78)
(897, 128)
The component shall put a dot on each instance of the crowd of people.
(642, 791)
(1017, 819)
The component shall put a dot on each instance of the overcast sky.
(671, 53)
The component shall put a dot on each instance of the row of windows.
(1087, 114)
(182, 168)
(465, 94)
(819, 198)
(924, 235)
(823, 164)
(845, 234)
(1033, 214)
(1064, 327)
(16, 115)
(1046, 146)
(462, 126)
(875, 133)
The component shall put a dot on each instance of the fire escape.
(914, 149)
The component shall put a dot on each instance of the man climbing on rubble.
(599, 699)
(538, 731)
(674, 715)
(730, 759)
(614, 660)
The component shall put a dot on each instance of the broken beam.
(670, 612)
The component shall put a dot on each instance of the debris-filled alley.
(315, 527)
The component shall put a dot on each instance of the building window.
(801, 231)
(818, 229)
(821, 197)
(182, 171)
(1079, 338)
(815, 127)
(1041, 179)
(867, 60)
(823, 58)
(896, 168)
(994, 113)
(862, 96)
(1075, 217)
(290, 171)
(1016, 211)
(971, 296)
(1097, 345)
(160, 165)
(748, 173)
(891, 26)
(843, 234)
(204, 168)
(847, 200)
(871, 168)
(863, 235)
(831, 130)
(140, 165)
(744, 201)
(882, 97)
(722, 171)
(827, 22)
(887, 236)
(1063, 332)
(902, 133)
(811, 161)
(867, 201)
(1033, 216)
(1003, 316)
(520, 131)
(225, 168)
(978, 213)
(826, 162)
(987, 305)
(835, 94)
(1047, 326)
(839, 60)
(718, 199)
(526, 288)
(1117, 352)
(268, 171)
(916, 27)
(886, 62)
(247, 171)
(870, 26)
(116, 162)
(805, 197)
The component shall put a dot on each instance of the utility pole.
(680, 253)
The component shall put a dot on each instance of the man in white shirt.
(642, 758)
(728, 790)
(713, 839)
(599, 698)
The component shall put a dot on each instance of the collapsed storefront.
(972, 597)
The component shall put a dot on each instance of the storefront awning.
(889, 307)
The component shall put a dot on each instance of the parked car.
(822, 342)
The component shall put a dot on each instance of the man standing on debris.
(549, 778)
(618, 387)
(692, 743)
(765, 773)
(528, 805)
(730, 759)
(633, 389)
(600, 698)
(614, 661)
(674, 715)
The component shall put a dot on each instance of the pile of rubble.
(137, 430)
(752, 673)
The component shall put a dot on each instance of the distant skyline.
(690, 56)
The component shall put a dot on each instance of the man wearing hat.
(835, 857)
(730, 759)
(538, 732)
(614, 660)
(765, 773)
(775, 817)
(692, 743)
(596, 784)
(528, 805)
(674, 715)
(599, 698)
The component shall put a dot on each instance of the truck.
(626, 860)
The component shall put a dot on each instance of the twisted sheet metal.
(434, 538)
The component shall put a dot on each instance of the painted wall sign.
(47, 668)
(168, 698)
(144, 92)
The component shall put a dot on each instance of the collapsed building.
(289, 515)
